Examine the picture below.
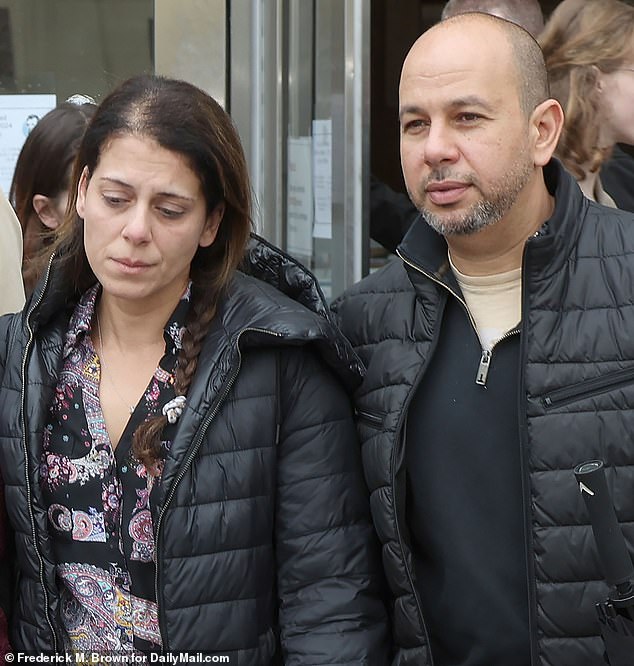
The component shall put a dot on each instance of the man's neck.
(499, 247)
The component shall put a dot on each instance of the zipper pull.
(483, 368)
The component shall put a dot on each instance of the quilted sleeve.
(330, 580)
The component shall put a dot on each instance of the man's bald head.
(477, 127)
(526, 56)
(526, 13)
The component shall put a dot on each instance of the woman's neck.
(593, 189)
(589, 184)
(129, 328)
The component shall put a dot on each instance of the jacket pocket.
(369, 418)
(588, 388)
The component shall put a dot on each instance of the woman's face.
(617, 107)
(144, 219)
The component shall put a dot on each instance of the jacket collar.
(274, 296)
(549, 251)
(273, 266)
(426, 250)
(278, 304)
(50, 297)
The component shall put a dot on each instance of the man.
(391, 213)
(499, 354)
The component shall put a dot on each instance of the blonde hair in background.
(581, 39)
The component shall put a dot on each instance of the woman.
(588, 46)
(185, 473)
(11, 288)
(39, 189)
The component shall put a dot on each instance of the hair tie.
(78, 99)
(174, 408)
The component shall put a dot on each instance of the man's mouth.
(446, 192)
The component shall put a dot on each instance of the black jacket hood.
(272, 292)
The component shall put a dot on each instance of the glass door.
(294, 74)
(299, 95)
(51, 49)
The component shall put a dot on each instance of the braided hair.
(181, 118)
(146, 441)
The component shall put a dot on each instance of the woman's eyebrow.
(166, 193)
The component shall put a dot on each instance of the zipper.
(481, 375)
(524, 468)
(192, 454)
(401, 431)
(487, 354)
(588, 388)
(442, 284)
(29, 495)
(483, 368)
(373, 420)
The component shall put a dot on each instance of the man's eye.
(468, 117)
(414, 125)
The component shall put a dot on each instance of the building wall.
(69, 46)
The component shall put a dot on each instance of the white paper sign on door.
(322, 177)
(18, 116)
(299, 197)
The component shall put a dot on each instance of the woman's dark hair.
(183, 119)
(44, 167)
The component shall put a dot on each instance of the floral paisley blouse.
(99, 498)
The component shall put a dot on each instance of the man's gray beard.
(485, 212)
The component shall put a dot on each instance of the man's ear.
(47, 212)
(547, 121)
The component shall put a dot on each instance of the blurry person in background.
(39, 192)
(617, 176)
(181, 462)
(11, 288)
(588, 47)
(39, 189)
(11, 300)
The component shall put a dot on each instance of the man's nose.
(440, 145)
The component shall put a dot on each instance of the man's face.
(464, 137)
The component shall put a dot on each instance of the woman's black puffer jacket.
(265, 550)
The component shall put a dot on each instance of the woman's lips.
(131, 266)
(446, 193)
